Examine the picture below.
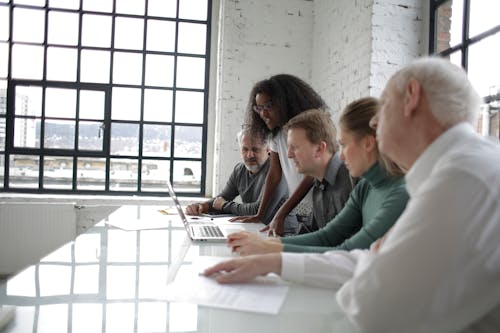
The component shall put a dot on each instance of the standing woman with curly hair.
(272, 103)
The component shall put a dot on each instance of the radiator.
(30, 231)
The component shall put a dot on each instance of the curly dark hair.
(289, 94)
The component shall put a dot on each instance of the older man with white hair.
(438, 270)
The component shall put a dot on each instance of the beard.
(253, 168)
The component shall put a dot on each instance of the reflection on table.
(108, 279)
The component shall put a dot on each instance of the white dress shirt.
(439, 269)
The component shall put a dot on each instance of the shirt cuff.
(292, 267)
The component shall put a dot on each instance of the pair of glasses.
(264, 107)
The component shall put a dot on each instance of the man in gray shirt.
(245, 181)
(312, 146)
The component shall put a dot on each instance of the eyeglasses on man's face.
(264, 107)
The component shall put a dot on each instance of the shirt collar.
(332, 169)
(426, 162)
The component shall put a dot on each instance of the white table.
(107, 281)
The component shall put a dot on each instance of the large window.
(468, 33)
(105, 96)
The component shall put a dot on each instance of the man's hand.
(246, 219)
(275, 228)
(245, 269)
(197, 208)
(246, 243)
(219, 203)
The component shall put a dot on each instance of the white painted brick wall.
(341, 52)
(397, 38)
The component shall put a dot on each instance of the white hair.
(241, 133)
(451, 96)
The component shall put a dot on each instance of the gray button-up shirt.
(330, 194)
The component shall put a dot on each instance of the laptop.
(199, 229)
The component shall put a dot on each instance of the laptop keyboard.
(210, 231)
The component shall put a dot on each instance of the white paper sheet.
(264, 295)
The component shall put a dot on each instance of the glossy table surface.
(108, 279)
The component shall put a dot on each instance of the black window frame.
(9, 148)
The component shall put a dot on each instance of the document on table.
(263, 295)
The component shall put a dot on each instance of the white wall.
(342, 48)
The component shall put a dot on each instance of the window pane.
(189, 107)
(159, 70)
(24, 171)
(2, 134)
(449, 24)
(28, 101)
(151, 316)
(60, 103)
(2, 170)
(29, 25)
(193, 9)
(124, 139)
(126, 104)
(3, 97)
(40, 3)
(187, 176)
(484, 71)
(129, 33)
(192, 38)
(57, 172)
(63, 28)
(90, 135)
(61, 64)
(481, 18)
(156, 140)
(59, 134)
(182, 317)
(164, 8)
(4, 55)
(127, 68)
(160, 36)
(4, 23)
(456, 58)
(92, 104)
(155, 174)
(91, 173)
(120, 317)
(96, 30)
(188, 141)
(190, 72)
(69, 4)
(98, 5)
(158, 105)
(27, 133)
(87, 317)
(123, 174)
(95, 66)
(27, 62)
(135, 7)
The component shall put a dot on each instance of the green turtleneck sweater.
(373, 207)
